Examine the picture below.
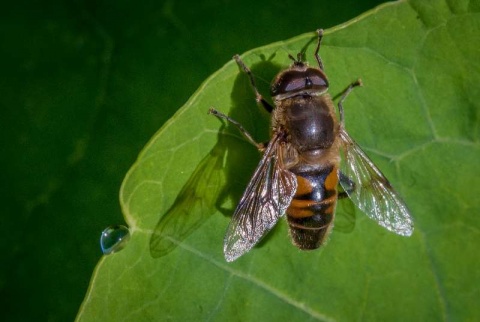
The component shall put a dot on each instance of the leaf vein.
(270, 289)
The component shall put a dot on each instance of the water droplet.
(114, 238)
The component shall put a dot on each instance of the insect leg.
(248, 136)
(317, 56)
(347, 184)
(344, 94)
(258, 97)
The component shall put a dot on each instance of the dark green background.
(83, 86)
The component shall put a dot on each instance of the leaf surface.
(417, 118)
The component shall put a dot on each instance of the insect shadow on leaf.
(211, 184)
(194, 205)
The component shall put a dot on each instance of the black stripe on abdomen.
(311, 211)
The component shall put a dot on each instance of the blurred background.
(83, 86)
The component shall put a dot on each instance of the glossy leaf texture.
(416, 117)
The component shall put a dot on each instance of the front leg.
(258, 97)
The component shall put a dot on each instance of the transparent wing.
(372, 192)
(265, 200)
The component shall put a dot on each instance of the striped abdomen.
(311, 212)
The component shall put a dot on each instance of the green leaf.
(416, 116)
(81, 93)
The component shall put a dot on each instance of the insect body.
(300, 168)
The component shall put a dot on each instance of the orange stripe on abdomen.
(316, 192)
(306, 208)
(311, 211)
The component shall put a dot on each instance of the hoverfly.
(301, 169)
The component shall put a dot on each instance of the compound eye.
(316, 78)
(296, 84)
(305, 81)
